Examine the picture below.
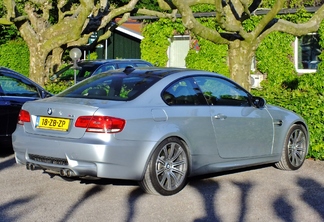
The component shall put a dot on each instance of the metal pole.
(74, 76)
(75, 68)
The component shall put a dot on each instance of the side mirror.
(258, 102)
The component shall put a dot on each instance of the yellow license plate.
(61, 124)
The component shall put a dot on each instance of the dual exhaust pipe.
(67, 173)
(63, 172)
(31, 166)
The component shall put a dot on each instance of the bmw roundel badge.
(49, 111)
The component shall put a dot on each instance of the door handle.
(220, 116)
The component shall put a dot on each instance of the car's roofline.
(165, 71)
(102, 61)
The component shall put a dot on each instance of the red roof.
(132, 25)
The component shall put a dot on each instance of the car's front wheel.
(295, 148)
(167, 170)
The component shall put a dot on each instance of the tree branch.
(117, 12)
(191, 23)
(220, 14)
(157, 14)
(20, 19)
(312, 25)
(4, 21)
(169, 5)
(81, 41)
(45, 6)
(10, 5)
(60, 5)
(32, 17)
(69, 29)
(267, 18)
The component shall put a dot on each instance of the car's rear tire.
(295, 148)
(167, 170)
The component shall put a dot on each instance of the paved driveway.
(257, 194)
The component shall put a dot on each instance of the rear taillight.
(100, 124)
(23, 117)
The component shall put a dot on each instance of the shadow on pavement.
(92, 180)
(6, 208)
(91, 192)
(208, 190)
(313, 194)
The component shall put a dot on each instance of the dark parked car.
(15, 90)
(87, 68)
(157, 126)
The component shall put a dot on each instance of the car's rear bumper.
(109, 158)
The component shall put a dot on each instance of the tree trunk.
(56, 60)
(240, 56)
(37, 70)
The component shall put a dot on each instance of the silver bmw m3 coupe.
(157, 126)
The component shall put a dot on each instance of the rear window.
(107, 86)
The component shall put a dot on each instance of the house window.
(178, 51)
(307, 50)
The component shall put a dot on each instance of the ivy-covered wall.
(303, 94)
(155, 44)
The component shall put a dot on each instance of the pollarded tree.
(50, 26)
(242, 44)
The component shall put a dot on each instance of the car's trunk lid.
(56, 116)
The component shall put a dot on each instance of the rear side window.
(183, 92)
(119, 87)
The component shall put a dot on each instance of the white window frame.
(296, 57)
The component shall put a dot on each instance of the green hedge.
(15, 55)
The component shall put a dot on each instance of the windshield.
(107, 86)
